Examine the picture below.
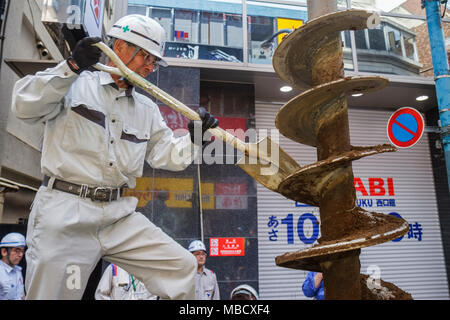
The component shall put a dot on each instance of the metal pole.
(200, 201)
(441, 73)
(2, 203)
(245, 32)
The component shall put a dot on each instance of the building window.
(376, 38)
(360, 39)
(137, 10)
(394, 40)
(164, 18)
(205, 35)
(261, 29)
(410, 46)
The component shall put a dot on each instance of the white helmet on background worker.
(13, 240)
(196, 245)
(142, 31)
(246, 290)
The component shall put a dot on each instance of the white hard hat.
(13, 240)
(196, 245)
(244, 289)
(143, 32)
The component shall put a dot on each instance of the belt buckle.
(94, 194)
(84, 190)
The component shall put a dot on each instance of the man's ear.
(120, 46)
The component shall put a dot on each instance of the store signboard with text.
(398, 183)
(226, 247)
(180, 192)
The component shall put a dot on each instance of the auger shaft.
(341, 276)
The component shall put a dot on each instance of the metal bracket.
(442, 76)
(444, 131)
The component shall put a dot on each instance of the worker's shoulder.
(209, 272)
(142, 99)
(89, 75)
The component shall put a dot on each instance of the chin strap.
(136, 50)
(8, 250)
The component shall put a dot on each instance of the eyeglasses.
(149, 59)
(18, 250)
(200, 253)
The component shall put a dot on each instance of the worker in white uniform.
(206, 287)
(12, 248)
(98, 132)
(244, 292)
(117, 284)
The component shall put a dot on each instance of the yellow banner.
(177, 191)
(287, 24)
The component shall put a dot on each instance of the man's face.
(14, 257)
(143, 63)
(242, 296)
(200, 255)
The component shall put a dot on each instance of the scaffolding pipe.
(441, 73)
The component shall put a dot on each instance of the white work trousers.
(67, 236)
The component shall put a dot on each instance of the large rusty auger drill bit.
(310, 58)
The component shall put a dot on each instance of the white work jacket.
(95, 133)
(117, 284)
(206, 287)
(11, 282)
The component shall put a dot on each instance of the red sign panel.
(232, 196)
(226, 247)
(176, 120)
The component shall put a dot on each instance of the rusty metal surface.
(372, 228)
(271, 174)
(312, 56)
(310, 45)
(306, 184)
(299, 119)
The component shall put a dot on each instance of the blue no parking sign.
(405, 127)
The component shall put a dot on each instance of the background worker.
(244, 292)
(12, 247)
(206, 287)
(117, 284)
(313, 285)
(98, 133)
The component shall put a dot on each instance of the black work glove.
(84, 55)
(208, 121)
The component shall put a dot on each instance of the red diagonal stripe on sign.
(404, 128)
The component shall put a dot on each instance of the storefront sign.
(75, 14)
(373, 194)
(231, 196)
(287, 24)
(203, 52)
(93, 18)
(180, 192)
(226, 247)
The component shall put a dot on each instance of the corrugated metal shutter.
(415, 265)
